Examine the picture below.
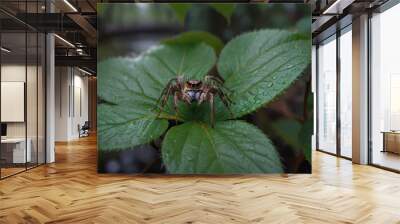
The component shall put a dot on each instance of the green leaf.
(288, 131)
(181, 10)
(142, 79)
(228, 148)
(306, 130)
(258, 66)
(133, 86)
(304, 26)
(224, 9)
(305, 134)
(124, 126)
(295, 134)
(310, 103)
(197, 37)
(101, 8)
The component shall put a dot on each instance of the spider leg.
(176, 98)
(216, 81)
(186, 98)
(215, 78)
(212, 114)
(222, 94)
(162, 95)
(226, 101)
(169, 89)
(166, 88)
(216, 84)
(164, 99)
(203, 97)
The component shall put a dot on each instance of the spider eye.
(193, 84)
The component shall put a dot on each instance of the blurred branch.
(306, 95)
(139, 30)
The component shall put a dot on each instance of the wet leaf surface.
(132, 87)
(258, 66)
(231, 147)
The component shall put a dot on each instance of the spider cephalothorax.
(195, 91)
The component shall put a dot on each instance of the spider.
(195, 91)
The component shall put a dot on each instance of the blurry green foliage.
(197, 37)
(297, 133)
(128, 18)
(289, 131)
(305, 134)
(127, 15)
(225, 9)
(182, 9)
(303, 26)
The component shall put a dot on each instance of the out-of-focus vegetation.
(128, 29)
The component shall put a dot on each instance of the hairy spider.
(195, 91)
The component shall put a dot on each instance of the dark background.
(129, 29)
